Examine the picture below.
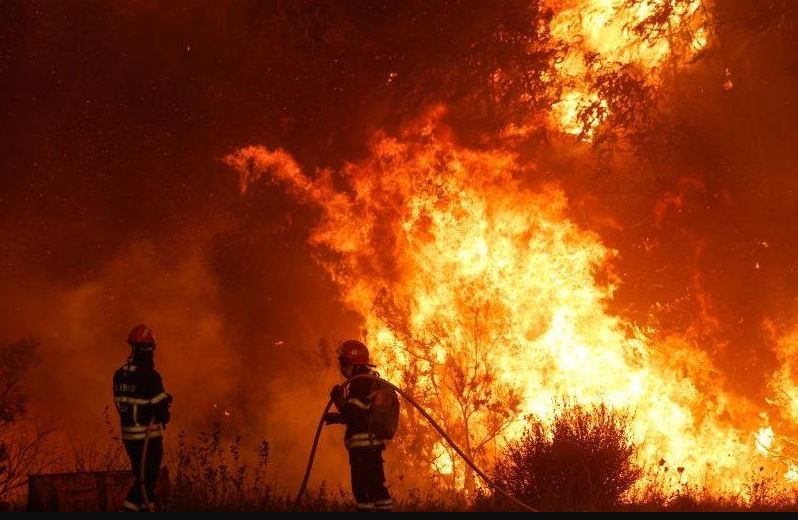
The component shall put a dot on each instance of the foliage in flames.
(783, 396)
(603, 38)
(483, 299)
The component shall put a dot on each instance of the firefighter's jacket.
(354, 407)
(139, 396)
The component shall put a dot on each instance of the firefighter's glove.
(163, 412)
(337, 393)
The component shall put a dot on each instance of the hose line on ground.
(434, 424)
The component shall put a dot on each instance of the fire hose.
(434, 424)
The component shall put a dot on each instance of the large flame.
(783, 395)
(603, 35)
(483, 298)
(784, 383)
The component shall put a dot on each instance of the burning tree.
(457, 381)
(482, 298)
(612, 56)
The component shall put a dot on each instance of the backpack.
(384, 413)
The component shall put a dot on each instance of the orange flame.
(784, 382)
(463, 273)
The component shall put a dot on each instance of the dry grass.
(583, 461)
(760, 493)
(211, 475)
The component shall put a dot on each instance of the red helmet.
(141, 334)
(354, 352)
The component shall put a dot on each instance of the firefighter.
(365, 449)
(143, 408)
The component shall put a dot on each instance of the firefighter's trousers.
(368, 480)
(135, 501)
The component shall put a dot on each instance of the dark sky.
(115, 118)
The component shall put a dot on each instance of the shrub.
(584, 460)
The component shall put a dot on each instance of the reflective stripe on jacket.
(139, 397)
(356, 411)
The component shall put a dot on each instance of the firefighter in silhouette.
(364, 438)
(143, 408)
